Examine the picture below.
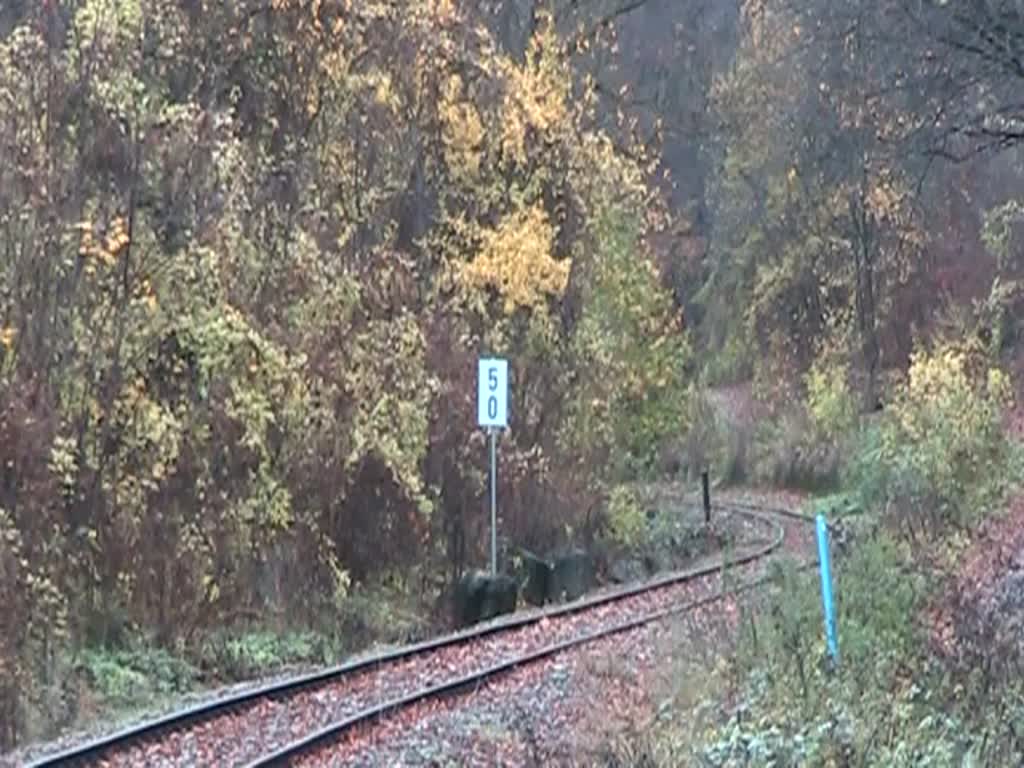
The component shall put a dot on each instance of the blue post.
(826, 589)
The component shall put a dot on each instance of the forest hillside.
(251, 251)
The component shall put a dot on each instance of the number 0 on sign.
(492, 393)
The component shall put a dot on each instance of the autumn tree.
(815, 214)
(970, 71)
(251, 252)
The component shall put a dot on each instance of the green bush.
(629, 331)
(886, 704)
(790, 452)
(830, 401)
(626, 521)
(788, 709)
(377, 614)
(804, 444)
(732, 363)
(940, 454)
(135, 676)
(239, 656)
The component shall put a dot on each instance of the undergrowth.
(774, 700)
(139, 677)
(237, 656)
(798, 444)
(914, 482)
(134, 676)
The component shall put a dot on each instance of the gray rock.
(538, 578)
(627, 571)
(480, 596)
(571, 576)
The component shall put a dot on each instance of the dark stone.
(652, 564)
(500, 595)
(468, 597)
(538, 578)
(480, 596)
(627, 571)
(571, 576)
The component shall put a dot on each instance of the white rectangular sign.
(492, 392)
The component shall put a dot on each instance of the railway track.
(279, 723)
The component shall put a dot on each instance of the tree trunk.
(865, 295)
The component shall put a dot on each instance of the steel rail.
(182, 719)
(337, 730)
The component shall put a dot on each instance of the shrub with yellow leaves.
(536, 95)
(461, 129)
(515, 259)
(105, 250)
(942, 454)
(830, 399)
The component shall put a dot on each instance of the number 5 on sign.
(492, 393)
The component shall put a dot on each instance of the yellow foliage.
(934, 376)
(148, 295)
(335, 67)
(626, 519)
(941, 383)
(946, 427)
(1000, 388)
(462, 130)
(107, 250)
(86, 245)
(885, 199)
(7, 334)
(117, 238)
(443, 10)
(384, 92)
(515, 258)
(536, 94)
(829, 399)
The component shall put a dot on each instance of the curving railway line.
(280, 723)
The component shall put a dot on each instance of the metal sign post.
(705, 486)
(826, 589)
(494, 501)
(492, 414)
